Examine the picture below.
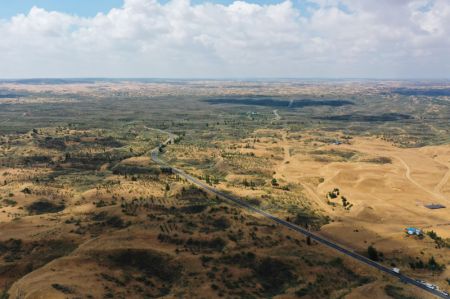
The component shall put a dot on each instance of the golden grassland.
(154, 235)
(84, 212)
(386, 189)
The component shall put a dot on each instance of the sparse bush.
(254, 201)
(433, 265)
(62, 288)
(216, 244)
(135, 170)
(9, 202)
(274, 275)
(193, 209)
(221, 223)
(396, 292)
(115, 221)
(440, 242)
(26, 190)
(379, 160)
(308, 219)
(192, 194)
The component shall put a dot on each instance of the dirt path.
(309, 190)
(277, 116)
(414, 182)
(286, 155)
(444, 181)
(331, 244)
(286, 147)
(286, 152)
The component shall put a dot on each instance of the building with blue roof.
(413, 231)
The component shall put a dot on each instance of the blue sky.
(79, 7)
(89, 8)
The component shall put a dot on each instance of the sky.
(225, 39)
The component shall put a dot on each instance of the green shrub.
(372, 253)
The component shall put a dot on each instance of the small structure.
(396, 270)
(435, 206)
(413, 231)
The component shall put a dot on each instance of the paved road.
(305, 232)
(171, 135)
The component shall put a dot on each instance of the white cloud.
(144, 38)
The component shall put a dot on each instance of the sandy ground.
(386, 198)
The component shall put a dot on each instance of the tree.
(432, 234)
(435, 266)
(372, 253)
(274, 182)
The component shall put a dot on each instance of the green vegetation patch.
(331, 281)
(378, 160)
(22, 257)
(311, 220)
(192, 194)
(123, 169)
(440, 242)
(341, 154)
(9, 202)
(274, 275)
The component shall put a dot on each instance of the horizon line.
(2, 80)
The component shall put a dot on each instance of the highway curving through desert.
(155, 157)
